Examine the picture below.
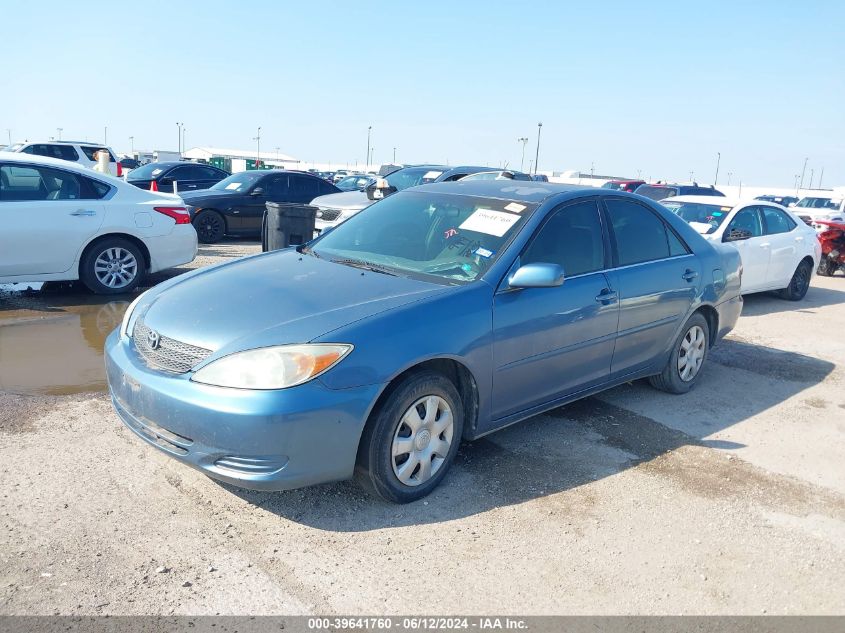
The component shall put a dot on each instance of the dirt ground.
(728, 500)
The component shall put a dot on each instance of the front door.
(786, 246)
(549, 342)
(755, 251)
(46, 216)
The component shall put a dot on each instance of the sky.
(656, 89)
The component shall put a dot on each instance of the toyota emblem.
(154, 339)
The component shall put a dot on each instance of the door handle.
(689, 275)
(607, 296)
(84, 212)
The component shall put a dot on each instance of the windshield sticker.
(724, 208)
(515, 207)
(450, 233)
(490, 222)
(431, 175)
(233, 185)
(716, 214)
(483, 252)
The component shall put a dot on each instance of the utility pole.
(179, 137)
(803, 169)
(796, 183)
(184, 129)
(639, 171)
(369, 130)
(257, 139)
(132, 145)
(592, 170)
(821, 175)
(59, 130)
(524, 141)
(812, 172)
(106, 135)
(9, 132)
(691, 175)
(730, 173)
(537, 154)
(394, 155)
(718, 160)
(530, 162)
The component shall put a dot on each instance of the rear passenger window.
(639, 235)
(63, 152)
(90, 152)
(777, 221)
(571, 238)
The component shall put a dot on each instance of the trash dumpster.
(287, 224)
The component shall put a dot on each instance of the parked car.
(540, 177)
(176, 176)
(441, 313)
(334, 209)
(783, 201)
(235, 205)
(623, 185)
(501, 174)
(339, 175)
(128, 164)
(62, 221)
(659, 191)
(814, 208)
(779, 251)
(79, 152)
(355, 182)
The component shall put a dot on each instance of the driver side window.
(747, 219)
(571, 238)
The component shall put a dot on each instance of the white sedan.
(60, 221)
(778, 250)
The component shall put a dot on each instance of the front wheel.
(799, 284)
(412, 439)
(687, 358)
(210, 226)
(112, 266)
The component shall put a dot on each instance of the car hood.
(344, 200)
(274, 298)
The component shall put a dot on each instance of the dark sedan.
(235, 206)
(175, 176)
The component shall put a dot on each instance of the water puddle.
(52, 337)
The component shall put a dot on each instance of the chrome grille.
(170, 355)
(328, 215)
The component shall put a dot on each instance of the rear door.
(274, 188)
(549, 342)
(657, 278)
(787, 246)
(755, 251)
(46, 215)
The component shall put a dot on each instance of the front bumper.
(261, 440)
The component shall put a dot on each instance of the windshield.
(813, 203)
(238, 182)
(13, 148)
(712, 214)
(616, 186)
(656, 193)
(353, 183)
(413, 176)
(444, 237)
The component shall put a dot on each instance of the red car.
(623, 185)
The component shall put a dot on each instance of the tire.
(112, 266)
(404, 477)
(695, 335)
(826, 267)
(210, 227)
(799, 284)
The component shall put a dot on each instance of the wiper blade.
(364, 265)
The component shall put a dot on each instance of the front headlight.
(272, 367)
(124, 325)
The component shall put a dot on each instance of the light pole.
(132, 145)
(812, 172)
(257, 139)
(394, 155)
(691, 174)
(821, 175)
(9, 132)
(367, 159)
(106, 135)
(639, 172)
(524, 141)
(537, 154)
(803, 169)
(718, 160)
(59, 130)
(184, 129)
(796, 183)
(277, 154)
(730, 173)
(179, 137)
(372, 153)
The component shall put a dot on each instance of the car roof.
(20, 157)
(530, 191)
(717, 201)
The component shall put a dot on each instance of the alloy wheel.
(422, 440)
(691, 353)
(115, 267)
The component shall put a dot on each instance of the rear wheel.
(112, 266)
(210, 227)
(799, 284)
(408, 446)
(826, 267)
(687, 358)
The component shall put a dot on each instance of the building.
(235, 160)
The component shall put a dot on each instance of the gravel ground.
(729, 500)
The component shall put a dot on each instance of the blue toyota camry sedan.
(441, 313)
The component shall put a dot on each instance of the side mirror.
(736, 235)
(537, 276)
(380, 189)
(258, 191)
